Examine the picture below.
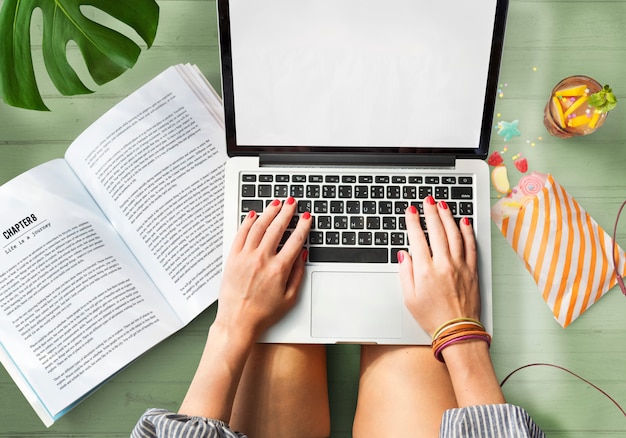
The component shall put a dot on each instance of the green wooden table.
(545, 41)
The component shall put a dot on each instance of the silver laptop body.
(326, 98)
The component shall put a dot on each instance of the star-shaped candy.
(508, 130)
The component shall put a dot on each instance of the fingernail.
(412, 209)
(430, 200)
(400, 256)
(275, 202)
(251, 214)
(305, 255)
(466, 221)
(290, 200)
(443, 205)
(306, 215)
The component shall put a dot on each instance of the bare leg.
(283, 393)
(403, 391)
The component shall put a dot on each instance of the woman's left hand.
(260, 284)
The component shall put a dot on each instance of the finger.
(417, 239)
(469, 241)
(275, 230)
(407, 280)
(295, 278)
(242, 234)
(293, 246)
(453, 234)
(436, 232)
(258, 229)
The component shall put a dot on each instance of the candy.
(521, 164)
(495, 159)
(500, 180)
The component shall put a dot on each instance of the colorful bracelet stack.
(458, 330)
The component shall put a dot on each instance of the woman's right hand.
(440, 280)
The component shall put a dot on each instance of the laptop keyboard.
(356, 217)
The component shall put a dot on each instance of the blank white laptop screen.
(303, 77)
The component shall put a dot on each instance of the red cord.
(567, 371)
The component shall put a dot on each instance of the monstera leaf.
(106, 52)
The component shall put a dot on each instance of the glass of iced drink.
(575, 107)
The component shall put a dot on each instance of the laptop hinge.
(348, 159)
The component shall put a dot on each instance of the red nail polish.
(305, 255)
(466, 221)
(430, 200)
(251, 214)
(443, 205)
(306, 215)
(290, 200)
(275, 202)
(400, 256)
(412, 209)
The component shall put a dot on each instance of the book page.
(75, 306)
(155, 165)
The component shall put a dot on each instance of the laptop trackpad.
(356, 305)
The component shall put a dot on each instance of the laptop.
(359, 108)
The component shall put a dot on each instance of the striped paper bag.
(565, 250)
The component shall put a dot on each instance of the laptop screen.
(408, 76)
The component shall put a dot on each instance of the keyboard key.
(385, 207)
(466, 208)
(397, 239)
(266, 178)
(348, 238)
(345, 192)
(365, 179)
(461, 192)
(248, 178)
(345, 255)
(382, 179)
(372, 223)
(416, 180)
(398, 179)
(324, 223)
(365, 238)
(409, 192)
(320, 207)
(281, 191)
(316, 237)
(316, 178)
(377, 192)
(349, 179)
(465, 180)
(282, 178)
(394, 254)
(265, 190)
(312, 191)
(248, 191)
(332, 238)
(329, 191)
(249, 205)
(304, 205)
(332, 178)
(425, 191)
(298, 178)
(357, 222)
(336, 207)
(361, 192)
(399, 207)
(369, 207)
(432, 180)
(297, 191)
(381, 238)
(441, 192)
(353, 207)
(389, 223)
(393, 192)
(340, 222)
(448, 180)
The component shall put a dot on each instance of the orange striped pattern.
(566, 251)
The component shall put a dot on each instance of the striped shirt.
(501, 421)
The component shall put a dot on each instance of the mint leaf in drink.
(604, 100)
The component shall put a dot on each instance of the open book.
(109, 251)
